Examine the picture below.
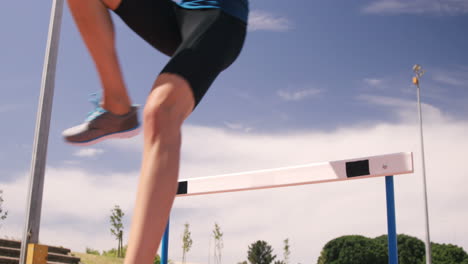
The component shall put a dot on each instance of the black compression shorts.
(200, 42)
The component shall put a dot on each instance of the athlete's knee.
(168, 105)
(162, 123)
(163, 115)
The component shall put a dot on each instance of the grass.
(94, 259)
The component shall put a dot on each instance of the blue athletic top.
(237, 8)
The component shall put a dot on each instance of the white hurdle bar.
(375, 166)
(360, 168)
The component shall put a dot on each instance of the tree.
(3, 214)
(448, 254)
(411, 250)
(260, 253)
(352, 250)
(218, 238)
(186, 241)
(117, 227)
(287, 251)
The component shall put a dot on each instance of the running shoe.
(101, 124)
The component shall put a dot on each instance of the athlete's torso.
(237, 8)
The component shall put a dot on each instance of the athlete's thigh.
(211, 41)
(153, 20)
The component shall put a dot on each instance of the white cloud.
(373, 82)
(261, 20)
(238, 126)
(433, 7)
(407, 110)
(133, 144)
(71, 162)
(88, 152)
(454, 78)
(298, 95)
(77, 202)
(319, 211)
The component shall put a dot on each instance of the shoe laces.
(95, 99)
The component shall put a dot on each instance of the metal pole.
(419, 72)
(39, 153)
(165, 245)
(391, 221)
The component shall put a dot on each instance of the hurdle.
(342, 170)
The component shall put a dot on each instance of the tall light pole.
(419, 72)
(41, 138)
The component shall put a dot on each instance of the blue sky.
(316, 80)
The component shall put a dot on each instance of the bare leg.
(167, 107)
(97, 30)
(169, 103)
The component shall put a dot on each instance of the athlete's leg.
(169, 103)
(95, 24)
(155, 21)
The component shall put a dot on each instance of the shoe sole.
(123, 134)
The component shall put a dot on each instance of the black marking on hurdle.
(182, 189)
(357, 168)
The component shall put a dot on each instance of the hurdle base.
(37, 254)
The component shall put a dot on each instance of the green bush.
(113, 252)
(260, 252)
(448, 254)
(352, 250)
(411, 250)
(92, 251)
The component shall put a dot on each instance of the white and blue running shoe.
(101, 124)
